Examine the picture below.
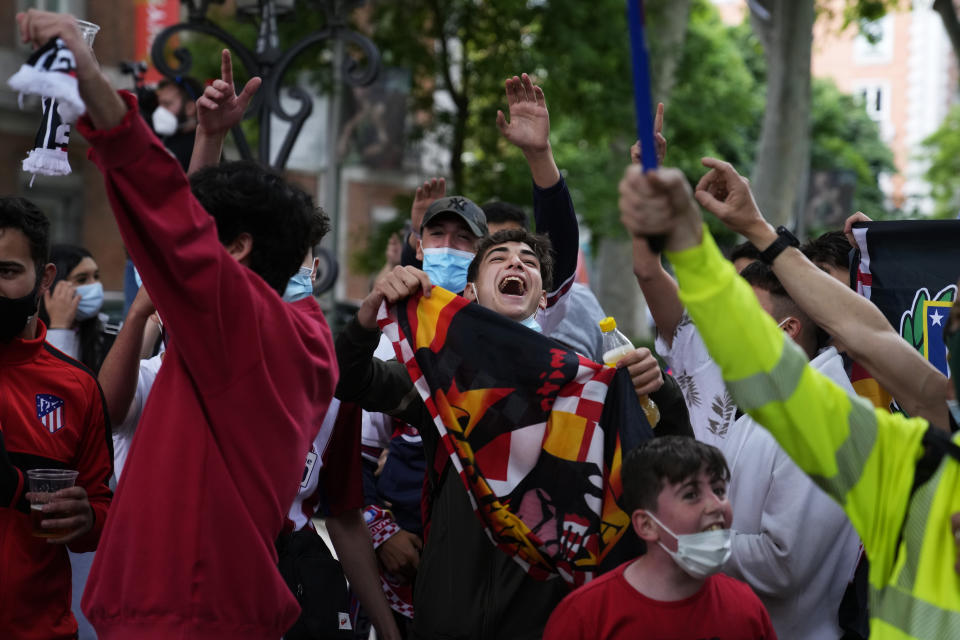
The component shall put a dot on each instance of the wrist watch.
(784, 239)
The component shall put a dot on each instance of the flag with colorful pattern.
(535, 432)
(909, 269)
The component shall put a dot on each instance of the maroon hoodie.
(188, 549)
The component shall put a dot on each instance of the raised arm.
(121, 367)
(219, 109)
(658, 287)
(529, 130)
(863, 459)
(426, 194)
(850, 318)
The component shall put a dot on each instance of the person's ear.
(792, 327)
(46, 278)
(241, 247)
(644, 526)
(420, 250)
(542, 304)
(470, 293)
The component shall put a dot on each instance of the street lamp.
(271, 63)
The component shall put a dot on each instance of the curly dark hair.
(20, 213)
(245, 197)
(670, 459)
(539, 243)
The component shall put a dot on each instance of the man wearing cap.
(465, 587)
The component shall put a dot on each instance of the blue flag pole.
(641, 85)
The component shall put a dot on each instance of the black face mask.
(15, 313)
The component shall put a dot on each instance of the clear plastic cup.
(88, 30)
(43, 483)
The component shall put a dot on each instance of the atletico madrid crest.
(50, 412)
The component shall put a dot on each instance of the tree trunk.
(783, 153)
(666, 32)
(616, 288)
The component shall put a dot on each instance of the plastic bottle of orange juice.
(615, 346)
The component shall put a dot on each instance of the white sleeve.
(145, 379)
(65, 340)
(712, 410)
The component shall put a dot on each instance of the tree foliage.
(844, 138)
(943, 147)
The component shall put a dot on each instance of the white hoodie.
(792, 544)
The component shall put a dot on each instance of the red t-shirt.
(609, 608)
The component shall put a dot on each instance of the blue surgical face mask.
(300, 285)
(91, 300)
(447, 267)
(531, 323)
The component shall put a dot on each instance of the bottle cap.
(608, 324)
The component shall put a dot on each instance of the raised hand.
(659, 141)
(431, 191)
(529, 126)
(726, 194)
(220, 108)
(61, 304)
(659, 202)
(859, 216)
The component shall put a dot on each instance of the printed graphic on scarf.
(535, 432)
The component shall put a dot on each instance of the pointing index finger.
(226, 67)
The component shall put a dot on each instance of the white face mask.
(165, 122)
(529, 322)
(699, 554)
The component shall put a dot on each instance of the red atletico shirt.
(52, 417)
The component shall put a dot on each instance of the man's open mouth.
(512, 286)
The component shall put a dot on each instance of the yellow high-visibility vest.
(864, 458)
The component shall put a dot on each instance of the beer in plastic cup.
(43, 483)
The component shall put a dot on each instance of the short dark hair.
(668, 459)
(20, 213)
(245, 197)
(761, 276)
(744, 250)
(830, 248)
(539, 243)
(499, 212)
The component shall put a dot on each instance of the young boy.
(675, 489)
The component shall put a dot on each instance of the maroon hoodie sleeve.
(197, 287)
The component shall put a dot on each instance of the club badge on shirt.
(50, 412)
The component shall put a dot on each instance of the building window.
(874, 43)
(876, 98)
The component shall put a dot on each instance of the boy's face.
(508, 281)
(697, 503)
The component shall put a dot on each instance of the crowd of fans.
(772, 501)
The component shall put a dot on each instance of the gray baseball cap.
(462, 207)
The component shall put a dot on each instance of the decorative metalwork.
(271, 63)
